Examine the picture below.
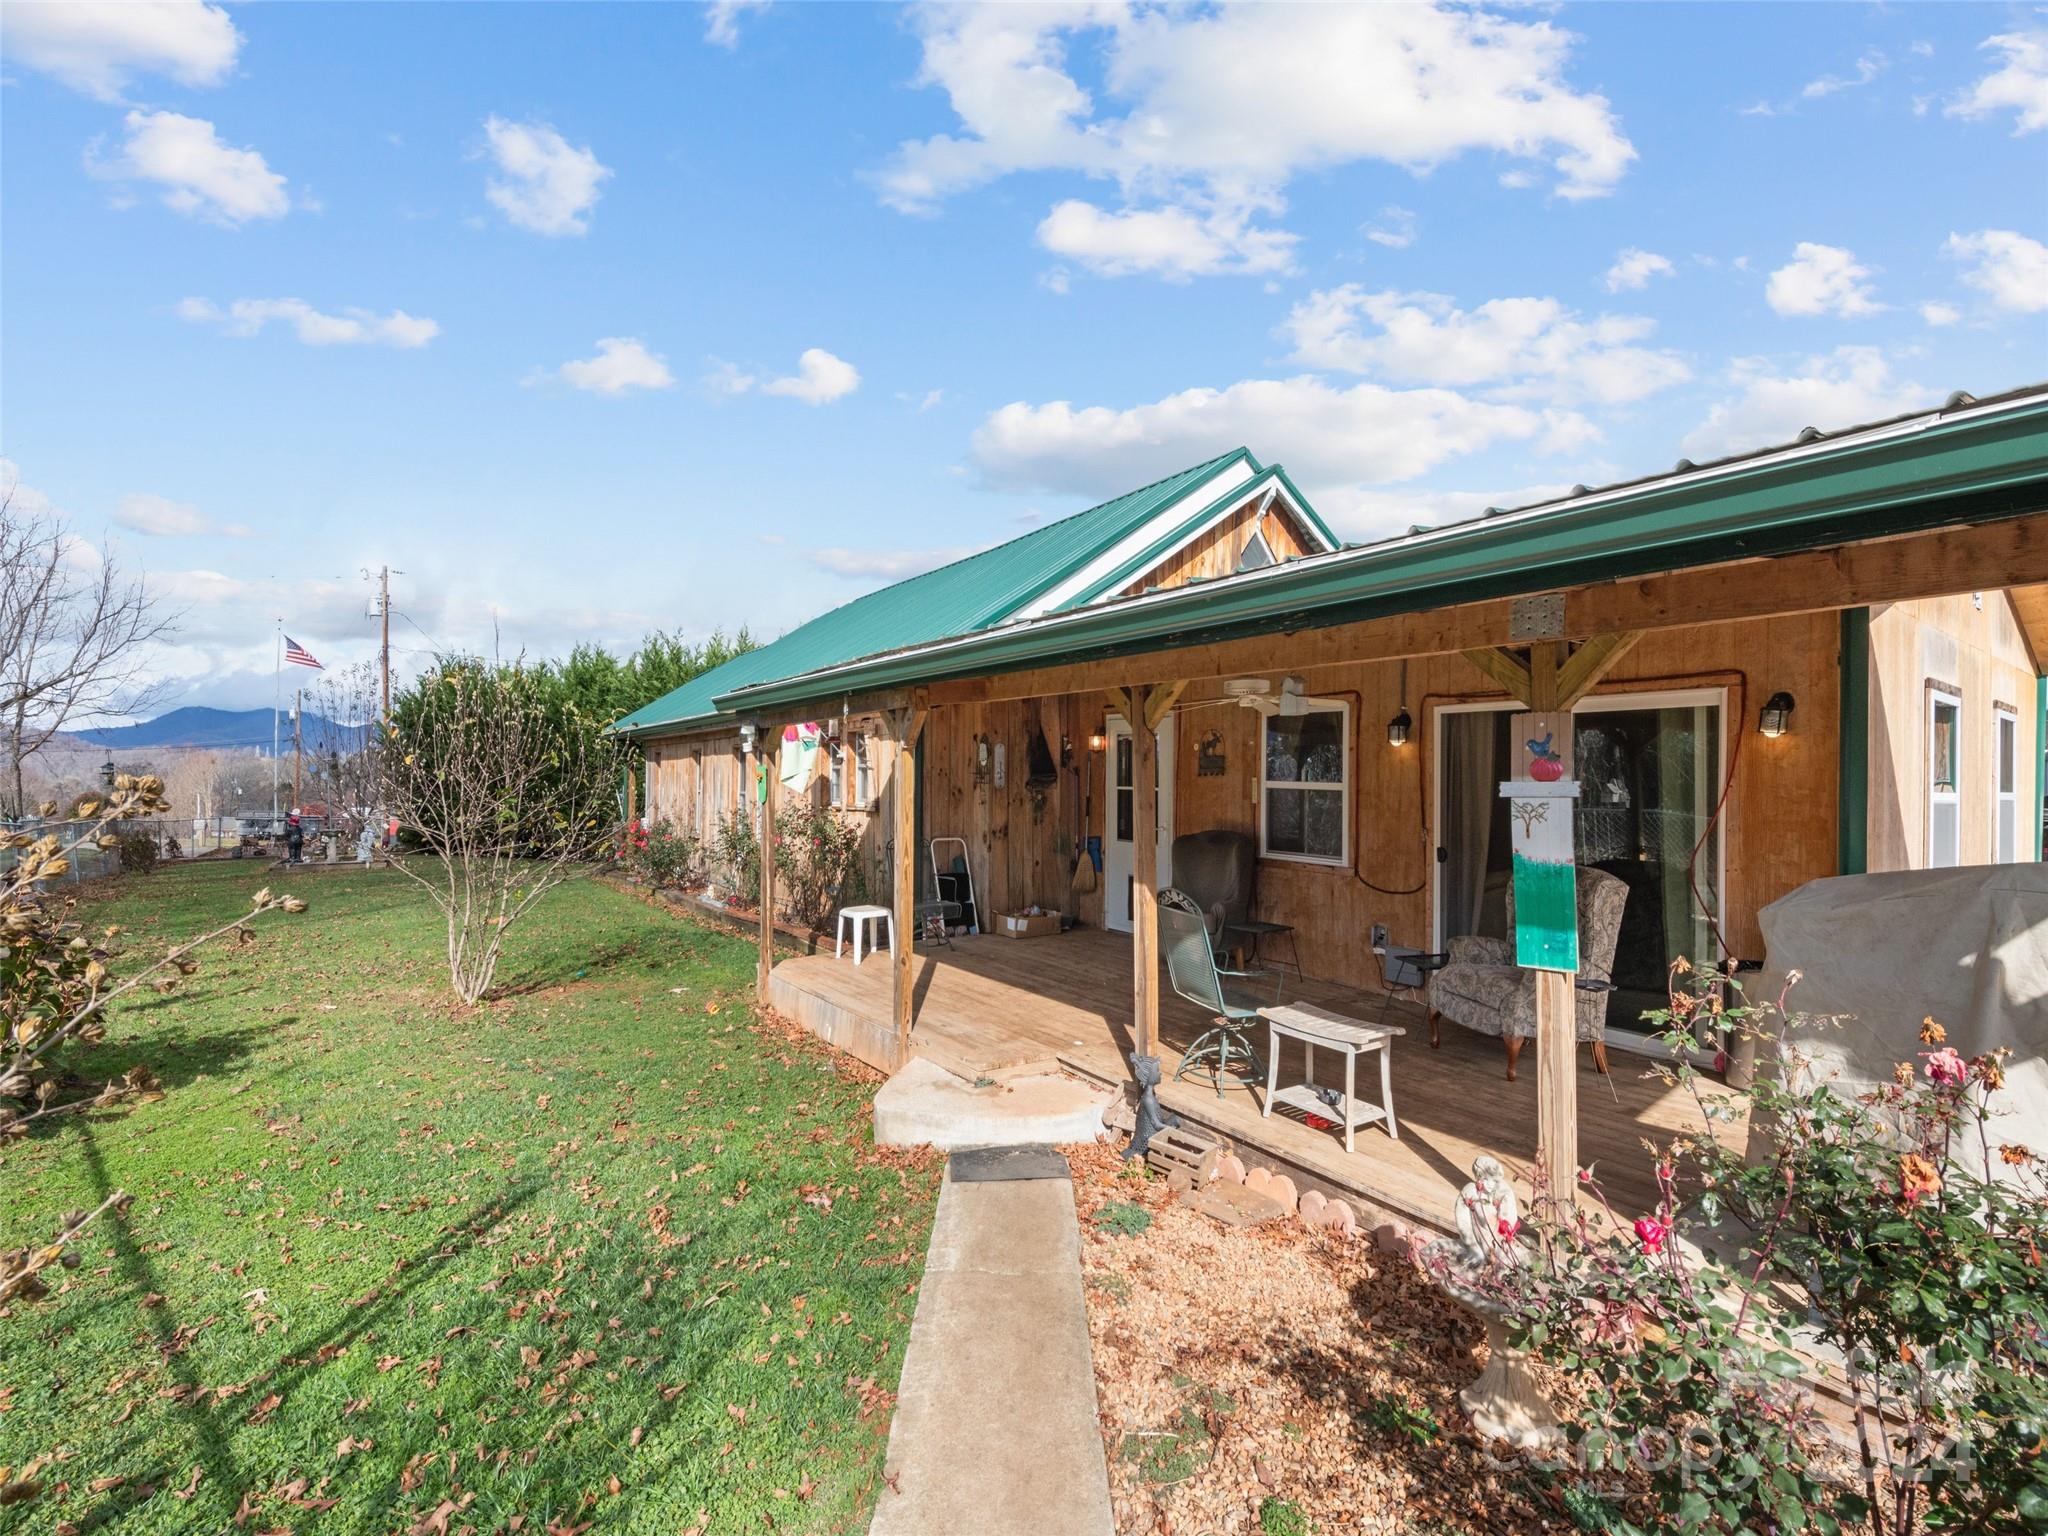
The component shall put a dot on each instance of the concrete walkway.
(995, 1429)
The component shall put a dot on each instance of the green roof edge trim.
(1978, 468)
(1167, 542)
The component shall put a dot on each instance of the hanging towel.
(799, 755)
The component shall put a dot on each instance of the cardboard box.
(1024, 925)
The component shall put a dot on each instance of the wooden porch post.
(766, 747)
(909, 725)
(1144, 874)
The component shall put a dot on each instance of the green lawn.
(605, 1253)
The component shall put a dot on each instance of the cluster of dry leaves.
(1237, 1366)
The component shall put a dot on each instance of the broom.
(1084, 867)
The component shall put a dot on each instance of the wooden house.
(1826, 657)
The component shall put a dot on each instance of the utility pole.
(382, 612)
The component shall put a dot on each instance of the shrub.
(1279, 1517)
(735, 856)
(1915, 1261)
(137, 851)
(659, 855)
(816, 863)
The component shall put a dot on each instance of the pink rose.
(1945, 1066)
(1651, 1233)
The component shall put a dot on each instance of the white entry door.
(1119, 802)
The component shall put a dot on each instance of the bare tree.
(512, 788)
(74, 629)
(343, 766)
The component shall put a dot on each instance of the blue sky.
(593, 318)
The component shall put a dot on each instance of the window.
(2005, 785)
(1257, 552)
(1944, 757)
(1304, 781)
(863, 775)
(835, 775)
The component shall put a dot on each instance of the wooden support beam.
(1120, 704)
(908, 725)
(1557, 1082)
(1160, 704)
(1144, 876)
(1591, 662)
(767, 746)
(2009, 553)
(1511, 672)
(1543, 665)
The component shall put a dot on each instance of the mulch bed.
(1278, 1369)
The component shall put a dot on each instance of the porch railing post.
(903, 788)
(768, 743)
(1144, 875)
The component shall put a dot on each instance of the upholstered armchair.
(1483, 989)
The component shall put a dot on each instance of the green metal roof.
(961, 598)
(1969, 462)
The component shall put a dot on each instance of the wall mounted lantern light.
(1399, 728)
(1775, 719)
(1097, 741)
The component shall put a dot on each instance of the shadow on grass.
(549, 971)
(212, 1428)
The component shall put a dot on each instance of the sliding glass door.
(1650, 770)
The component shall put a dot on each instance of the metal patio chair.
(1192, 968)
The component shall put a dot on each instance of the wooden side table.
(1318, 1027)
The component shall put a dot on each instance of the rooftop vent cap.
(1811, 434)
(1958, 400)
(1582, 490)
(1682, 466)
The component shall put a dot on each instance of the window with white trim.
(1305, 784)
(837, 774)
(2005, 784)
(1944, 763)
(863, 774)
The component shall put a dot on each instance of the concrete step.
(924, 1103)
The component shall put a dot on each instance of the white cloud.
(1174, 243)
(2020, 84)
(352, 327)
(200, 175)
(1844, 388)
(1934, 312)
(885, 564)
(21, 500)
(1381, 514)
(1634, 268)
(546, 184)
(722, 20)
(2008, 266)
(1215, 110)
(160, 517)
(1821, 280)
(1331, 439)
(97, 47)
(1396, 228)
(1868, 68)
(1526, 345)
(622, 364)
(820, 378)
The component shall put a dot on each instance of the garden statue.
(1505, 1401)
(1151, 1119)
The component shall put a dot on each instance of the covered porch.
(991, 1005)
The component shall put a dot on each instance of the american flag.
(299, 656)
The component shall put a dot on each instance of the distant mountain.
(197, 726)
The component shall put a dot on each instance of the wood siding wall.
(1217, 552)
(1780, 812)
(1979, 653)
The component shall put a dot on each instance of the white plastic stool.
(860, 918)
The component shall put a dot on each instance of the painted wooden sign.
(1540, 800)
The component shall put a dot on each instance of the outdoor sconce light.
(1776, 716)
(107, 773)
(1097, 741)
(1398, 729)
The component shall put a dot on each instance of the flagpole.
(276, 700)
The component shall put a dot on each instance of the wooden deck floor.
(992, 1003)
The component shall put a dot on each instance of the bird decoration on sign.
(1545, 764)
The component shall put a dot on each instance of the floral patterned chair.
(1483, 989)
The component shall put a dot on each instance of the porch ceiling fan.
(1258, 693)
